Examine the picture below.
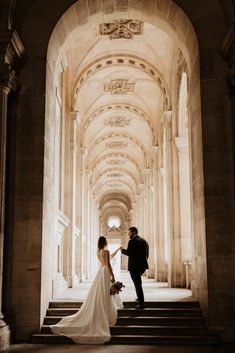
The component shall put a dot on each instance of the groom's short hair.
(133, 230)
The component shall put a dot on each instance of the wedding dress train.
(90, 325)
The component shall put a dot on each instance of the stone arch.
(162, 14)
(130, 61)
(122, 107)
(170, 23)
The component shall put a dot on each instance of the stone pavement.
(74, 348)
(153, 291)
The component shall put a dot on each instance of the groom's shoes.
(140, 306)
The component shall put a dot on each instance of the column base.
(59, 284)
(73, 280)
(4, 338)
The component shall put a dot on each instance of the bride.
(90, 325)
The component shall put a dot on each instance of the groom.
(137, 251)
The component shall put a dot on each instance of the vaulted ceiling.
(120, 82)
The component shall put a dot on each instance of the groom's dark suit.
(137, 251)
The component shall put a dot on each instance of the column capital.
(12, 51)
(83, 150)
(75, 115)
(146, 171)
(162, 172)
(166, 118)
(181, 143)
(154, 150)
(12, 57)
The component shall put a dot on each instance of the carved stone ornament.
(115, 162)
(115, 185)
(122, 29)
(119, 86)
(115, 175)
(116, 144)
(8, 78)
(117, 122)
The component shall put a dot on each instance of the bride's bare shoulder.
(102, 251)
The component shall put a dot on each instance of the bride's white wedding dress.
(90, 325)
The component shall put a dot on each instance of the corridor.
(154, 291)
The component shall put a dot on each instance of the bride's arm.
(109, 266)
(115, 252)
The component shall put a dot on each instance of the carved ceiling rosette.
(119, 86)
(122, 29)
(117, 122)
(114, 162)
(116, 144)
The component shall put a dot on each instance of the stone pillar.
(141, 210)
(137, 209)
(161, 261)
(4, 91)
(83, 216)
(86, 217)
(174, 245)
(72, 277)
(11, 54)
(80, 182)
(149, 220)
(185, 204)
(154, 208)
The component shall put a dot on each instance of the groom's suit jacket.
(137, 252)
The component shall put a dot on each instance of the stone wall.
(30, 284)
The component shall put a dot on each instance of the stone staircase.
(158, 323)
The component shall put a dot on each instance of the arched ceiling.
(120, 87)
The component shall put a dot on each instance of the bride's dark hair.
(102, 241)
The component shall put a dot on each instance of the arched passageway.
(107, 123)
(119, 111)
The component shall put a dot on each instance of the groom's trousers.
(136, 278)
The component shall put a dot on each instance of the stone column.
(72, 277)
(154, 208)
(4, 91)
(83, 215)
(11, 54)
(174, 249)
(185, 205)
(137, 209)
(86, 217)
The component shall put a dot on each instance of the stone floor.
(41, 348)
(154, 291)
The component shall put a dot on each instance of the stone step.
(135, 339)
(148, 330)
(144, 320)
(159, 323)
(157, 330)
(134, 312)
(161, 340)
(129, 304)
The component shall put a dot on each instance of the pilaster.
(11, 54)
(185, 205)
